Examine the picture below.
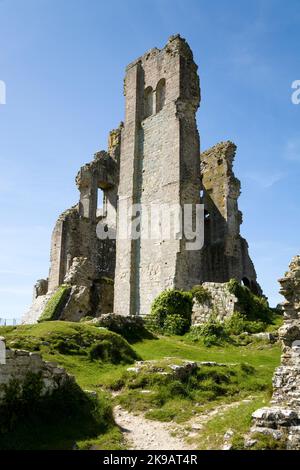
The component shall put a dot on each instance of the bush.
(171, 311)
(211, 333)
(30, 421)
(56, 304)
(108, 351)
(252, 307)
(132, 328)
(238, 324)
(201, 294)
(176, 325)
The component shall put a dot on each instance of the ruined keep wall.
(159, 164)
(282, 419)
(75, 237)
(225, 253)
(75, 233)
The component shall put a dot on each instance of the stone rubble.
(282, 419)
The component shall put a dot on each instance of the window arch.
(160, 94)
(148, 102)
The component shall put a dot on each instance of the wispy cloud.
(292, 150)
(265, 180)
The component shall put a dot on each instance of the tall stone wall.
(225, 253)
(159, 163)
(282, 419)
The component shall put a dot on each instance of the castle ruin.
(152, 158)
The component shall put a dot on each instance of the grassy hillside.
(99, 360)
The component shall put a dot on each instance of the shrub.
(176, 325)
(55, 304)
(252, 307)
(201, 294)
(53, 421)
(238, 324)
(211, 333)
(132, 328)
(171, 303)
(108, 351)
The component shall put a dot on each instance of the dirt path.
(144, 434)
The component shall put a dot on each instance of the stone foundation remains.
(18, 364)
(221, 305)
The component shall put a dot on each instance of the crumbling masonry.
(282, 419)
(154, 157)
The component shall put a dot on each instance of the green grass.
(237, 419)
(69, 344)
(67, 418)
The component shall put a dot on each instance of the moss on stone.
(55, 304)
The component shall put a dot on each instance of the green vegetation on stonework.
(132, 328)
(171, 314)
(55, 304)
(171, 311)
(69, 338)
(234, 330)
(66, 419)
(253, 307)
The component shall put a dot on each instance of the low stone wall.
(282, 419)
(222, 304)
(18, 364)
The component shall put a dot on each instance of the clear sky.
(63, 64)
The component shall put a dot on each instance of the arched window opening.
(160, 94)
(148, 102)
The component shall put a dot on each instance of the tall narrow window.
(148, 102)
(160, 94)
(100, 203)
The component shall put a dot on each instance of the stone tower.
(153, 160)
(159, 163)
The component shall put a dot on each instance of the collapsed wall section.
(225, 253)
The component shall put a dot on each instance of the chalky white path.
(144, 434)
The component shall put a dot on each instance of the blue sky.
(63, 64)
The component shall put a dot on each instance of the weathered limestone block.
(222, 304)
(81, 273)
(283, 416)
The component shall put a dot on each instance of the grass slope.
(70, 344)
